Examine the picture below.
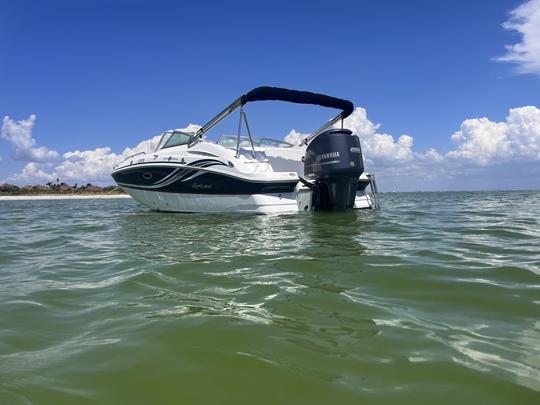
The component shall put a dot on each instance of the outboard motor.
(334, 163)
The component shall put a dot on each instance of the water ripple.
(436, 290)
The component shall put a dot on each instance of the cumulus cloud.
(479, 142)
(486, 142)
(95, 165)
(85, 166)
(431, 155)
(20, 135)
(294, 137)
(33, 171)
(190, 129)
(525, 19)
(379, 148)
(483, 148)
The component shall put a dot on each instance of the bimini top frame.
(280, 94)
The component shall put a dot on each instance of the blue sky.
(114, 73)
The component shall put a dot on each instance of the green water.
(434, 298)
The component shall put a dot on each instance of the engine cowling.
(334, 162)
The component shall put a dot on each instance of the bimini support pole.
(243, 117)
(242, 112)
(239, 132)
(218, 118)
(321, 129)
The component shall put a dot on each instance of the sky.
(447, 94)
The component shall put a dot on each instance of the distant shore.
(58, 190)
(60, 196)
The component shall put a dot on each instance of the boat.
(242, 173)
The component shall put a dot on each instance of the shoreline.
(60, 197)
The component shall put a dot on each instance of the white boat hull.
(208, 203)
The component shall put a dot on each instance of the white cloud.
(359, 123)
(20, 135)
(432, 155)
(85, 166)
(484, 142)
(378, 149)
(294, 137)
(484, 149)
(33, 171)
(95, 165)
(523, 127)
(525, 19)
(480, 142)
(191, 128)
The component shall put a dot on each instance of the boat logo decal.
(198, 186)
(328, 155)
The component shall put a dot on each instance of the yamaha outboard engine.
(334, 162)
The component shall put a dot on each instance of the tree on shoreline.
(58, 188)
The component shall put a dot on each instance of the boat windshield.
(173, 138)
(229, 141)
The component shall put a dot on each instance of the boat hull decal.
(188, 179)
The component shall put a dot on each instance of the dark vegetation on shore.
(56, 188)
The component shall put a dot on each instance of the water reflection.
(335, 235)
(200, 237)
(310, 280)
